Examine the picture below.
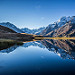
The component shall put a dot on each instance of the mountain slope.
(67, 30)
(23, 30)
(33, 31)
(52, 27)
(6, 30)
(11, 26)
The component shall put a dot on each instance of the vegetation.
(54, 38)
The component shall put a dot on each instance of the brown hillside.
(67, 30)
(6, 30)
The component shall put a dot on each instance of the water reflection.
(7, 48)
(38, 58)
(10, 49)
(64, 48)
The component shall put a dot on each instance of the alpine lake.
(38, 57)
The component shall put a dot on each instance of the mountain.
(65, 26)
(51, 28)
(23, 30)
(33, 31)
(6, 30)
(10, 31)
(67, 30)
(11, 26)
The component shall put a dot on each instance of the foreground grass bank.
(54, 38)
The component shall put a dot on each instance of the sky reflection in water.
(42, 57)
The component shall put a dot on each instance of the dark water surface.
(46, 57)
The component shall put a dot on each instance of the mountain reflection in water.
(64, 48)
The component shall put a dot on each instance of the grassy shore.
(54, 38)
(5, 43)
(9, 41)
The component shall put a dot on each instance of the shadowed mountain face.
(6, 30)
(11, 26)
(64, 48)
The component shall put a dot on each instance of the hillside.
(6, 30)
(67, 30)
(11, 26)
(22, 30)
(7, 33)
(63, 27)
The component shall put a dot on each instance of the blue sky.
(35, 13)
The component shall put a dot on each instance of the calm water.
(46, 57)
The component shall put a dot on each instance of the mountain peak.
(33, 31)
(62, 21)
(11, 26)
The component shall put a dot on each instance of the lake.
(45, 57)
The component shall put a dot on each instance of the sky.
(35, 13)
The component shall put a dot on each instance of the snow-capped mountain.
(62, 21)
(11, 26)
(23, 30)
(33, 31)
(4, 29)
(41, 31)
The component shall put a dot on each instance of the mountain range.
(22, 30)
(33, 31)
(65, 26)
(11, 26)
